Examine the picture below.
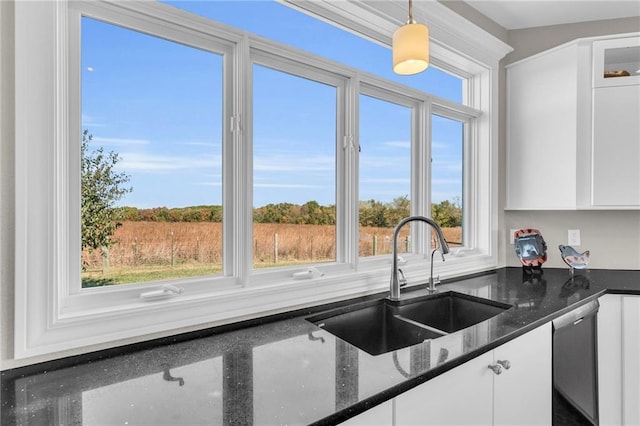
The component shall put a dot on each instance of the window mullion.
(347, 179)
(238, 186)
(421, 171)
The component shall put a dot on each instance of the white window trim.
(51, 316)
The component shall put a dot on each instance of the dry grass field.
(150, 250)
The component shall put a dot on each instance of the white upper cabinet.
(573, 132)
(615, 177)
(616, 147)
(616, 62)
(546, 116)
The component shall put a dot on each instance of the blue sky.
(159, 105)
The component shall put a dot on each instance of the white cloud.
(437, 182)
(398, 144)
(384, 162)
(216, 184)
(120, 141)
(157, 163)
(450, 166)
(89, 122)
(387, 180)
(285, 185)
(282, 163)
(437, 145)
(204, 144)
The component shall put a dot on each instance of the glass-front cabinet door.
(616, 62)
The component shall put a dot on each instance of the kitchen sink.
(383, 326)
(451, 311)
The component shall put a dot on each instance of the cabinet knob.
(505, 363)
(495, 368)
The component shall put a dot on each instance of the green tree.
(101, 188)
(398, 210)
(374, 213)
(447, 214)
(215, 214)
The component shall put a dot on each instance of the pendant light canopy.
(410, 47)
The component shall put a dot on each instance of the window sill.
(193, 309)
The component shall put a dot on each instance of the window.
(156, 106)
(447, 151)
(385, 173)
(226, 141)
(294, 169)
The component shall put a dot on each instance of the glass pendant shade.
(410, 49)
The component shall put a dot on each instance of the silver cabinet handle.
(505, 363)
(495, 368)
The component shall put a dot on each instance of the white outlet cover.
(573, 237)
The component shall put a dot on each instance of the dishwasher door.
(575, 361)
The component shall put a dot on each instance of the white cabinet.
(616, 146)
(522, 394)
(615, 177)
(616, 62)
(459, 396)
(474, 394)
(618, 360)
(548, 113)
(610, 360)
(573, 136)
(630, 360)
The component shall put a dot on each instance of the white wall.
(613, 238)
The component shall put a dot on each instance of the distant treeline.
(372, 213)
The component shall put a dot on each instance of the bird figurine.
(574, 259)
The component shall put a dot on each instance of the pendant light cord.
(410, 21)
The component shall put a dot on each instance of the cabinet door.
(460, 396)
(541, 131)
(610, 360)
(630, 360)
(616, 146)
(615, 55)
(522, 394)
(381, 415)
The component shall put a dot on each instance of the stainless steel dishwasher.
(575, 359)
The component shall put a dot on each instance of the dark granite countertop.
(285, 370)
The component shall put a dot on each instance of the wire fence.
(141, 244)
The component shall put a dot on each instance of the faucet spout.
(394, 285)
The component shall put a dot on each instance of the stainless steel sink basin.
(382, 326)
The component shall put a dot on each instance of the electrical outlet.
(573, 237)
(511, 232)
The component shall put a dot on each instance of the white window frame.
(269, 56)
(51, 315)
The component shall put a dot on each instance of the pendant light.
(410, 47)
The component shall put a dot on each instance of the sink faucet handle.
(432, 284)
(403, 279)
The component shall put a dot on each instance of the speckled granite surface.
(288, 371)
